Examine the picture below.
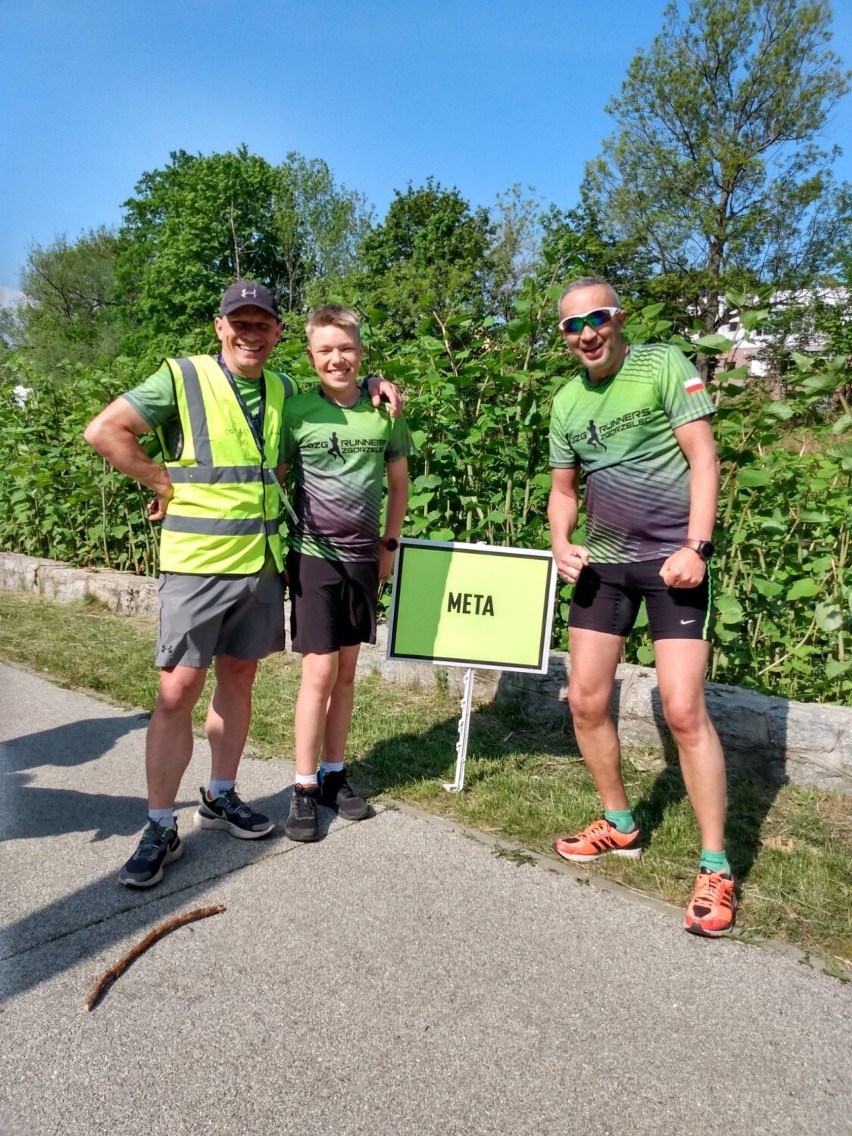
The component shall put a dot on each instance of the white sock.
(163, 817)
(215, 788)
(307, 779)
(333, 767)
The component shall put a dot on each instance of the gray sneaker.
(159, 846)
(231, 814)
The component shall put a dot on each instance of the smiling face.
(335, 354)
(247, 336)
(601, 350)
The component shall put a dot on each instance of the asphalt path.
(395, 977)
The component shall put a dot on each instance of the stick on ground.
(124, 962)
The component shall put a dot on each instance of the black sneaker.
(230, 814)
(301, 822)
(159, 846)
(337, 793)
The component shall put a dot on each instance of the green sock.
(714, 862)
(623, 820)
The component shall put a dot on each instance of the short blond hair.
(334, 315)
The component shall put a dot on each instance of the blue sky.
(479, 95)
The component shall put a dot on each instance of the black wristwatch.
(704, 548)
(390, 543)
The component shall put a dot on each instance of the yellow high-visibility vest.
(223, 517)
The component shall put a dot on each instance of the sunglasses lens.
(573, 325)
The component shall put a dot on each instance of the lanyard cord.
(256, 427)
(255, 424)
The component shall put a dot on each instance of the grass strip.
(791, 848)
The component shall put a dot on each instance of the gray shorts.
(203, 616)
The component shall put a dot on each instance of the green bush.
(478, 398)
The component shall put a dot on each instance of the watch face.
(707, 549)
(390, 544)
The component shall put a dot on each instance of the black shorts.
(607, 598)
(332, 603)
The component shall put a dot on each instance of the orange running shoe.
(713, 906)
(598, 839)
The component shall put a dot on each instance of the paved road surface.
(395, 978)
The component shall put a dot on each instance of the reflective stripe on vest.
(223, 517)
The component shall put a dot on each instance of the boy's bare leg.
(319, 673)
(339, 711)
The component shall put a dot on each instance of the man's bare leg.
(168, 744)
(594, 657)
(229, 714)
(681, 665)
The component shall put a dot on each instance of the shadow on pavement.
(65, 746)
(35, 948)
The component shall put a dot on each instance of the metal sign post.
(464, 730)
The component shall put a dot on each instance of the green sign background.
(435, 582)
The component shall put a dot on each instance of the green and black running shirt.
(619, 432)
(337, 455)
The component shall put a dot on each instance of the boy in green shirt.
(337, 448)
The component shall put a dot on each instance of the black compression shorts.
(607, 597)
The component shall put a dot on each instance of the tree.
(716, 166)
(319, 226)
(71, 312)
(204, 221)
(428, 258)
(515, 251)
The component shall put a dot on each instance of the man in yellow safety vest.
(221, 591)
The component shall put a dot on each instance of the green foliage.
(204, 221)
(515, 251)
(58, 499)
(784, 568)
(427, 259)
(479, 414)
(459, 310)
(72, 316)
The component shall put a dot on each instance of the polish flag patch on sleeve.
(693, 384)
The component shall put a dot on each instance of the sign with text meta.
(472, 605)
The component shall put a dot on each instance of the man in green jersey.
(636, 423)
(221, 590)
(341, 451)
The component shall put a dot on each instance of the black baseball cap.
(248, 292)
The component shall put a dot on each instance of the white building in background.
(749, 344)
(10, 297)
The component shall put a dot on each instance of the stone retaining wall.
(809, 744)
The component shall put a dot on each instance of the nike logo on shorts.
(684, 622)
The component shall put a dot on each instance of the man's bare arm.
(114, 433)
(685, 568)
(563, 510)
